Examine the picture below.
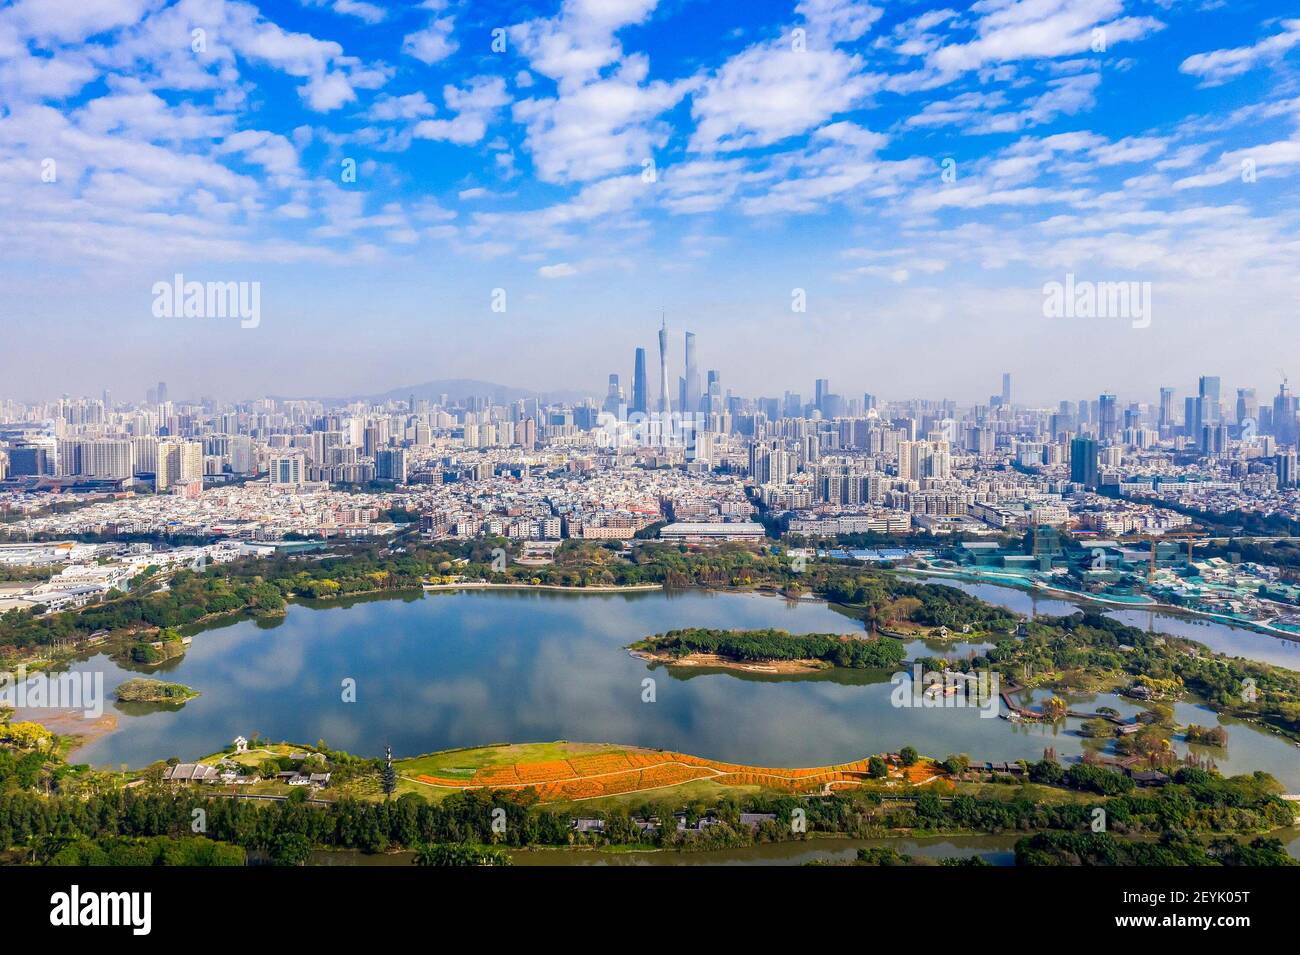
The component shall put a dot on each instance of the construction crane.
(1192, 538)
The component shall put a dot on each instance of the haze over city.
(918, 175)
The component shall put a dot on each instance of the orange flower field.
(609, 774)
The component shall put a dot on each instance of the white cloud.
(604, 117)
(958, 111)
(75, 21)
(558, 271)
(1260, 160)
(837, 21)
(1219, 66)
(1010, 30)
(475, 106)
(367, 12)
(574, 46)
(411, 106)
(433, 43)
(839, 163)
(770, 92)
(600, 127)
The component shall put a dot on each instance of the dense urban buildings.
(605, 467)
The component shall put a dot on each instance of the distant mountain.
(458, 389)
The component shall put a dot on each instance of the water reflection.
(466, 669)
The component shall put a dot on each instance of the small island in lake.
(141, 690)
(768, 651)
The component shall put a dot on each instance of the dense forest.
(152, 823)
(764, 645)
(1172, 849)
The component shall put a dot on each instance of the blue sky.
(610, 159)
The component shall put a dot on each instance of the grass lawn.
(463, 763)
(255, 757)
(1031, 791)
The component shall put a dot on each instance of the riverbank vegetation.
(1054, 651)
(773, 645)
(1172, 849)
(51, 813)
(141, 690)
(262, 586)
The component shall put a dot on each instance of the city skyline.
(639, 432)
(877, 192)
(682, 398)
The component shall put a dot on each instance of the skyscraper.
(1108, 417)
(1284, 420)
(713, 394)
(692, 376)
(639, 402)
(1286, 468)
(1083, 462)
(1006, 389)
(614, 396)
(1166, 420)
(1210, 408)
(1247, 406)
(178, 461)
(390, 465)
(665, 399)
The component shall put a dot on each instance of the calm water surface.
(464, 669)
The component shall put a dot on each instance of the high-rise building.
(1286, 468)
(1083, 462)
(30, 460)
(1191, 416)
(162, 392)
(100, 458)
(1214, 438)
(1006, 389)
(178, 461)
(1211, 408)
(390, 465)
(288, 469)
(1247, 406)
(1284, 416)
(613, 396)
(1108, 418)
(665, 405)
(691, 377)
(1165, 422)
(241, 454)
(639, 402)
(822, 388)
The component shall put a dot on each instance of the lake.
(453, 669)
